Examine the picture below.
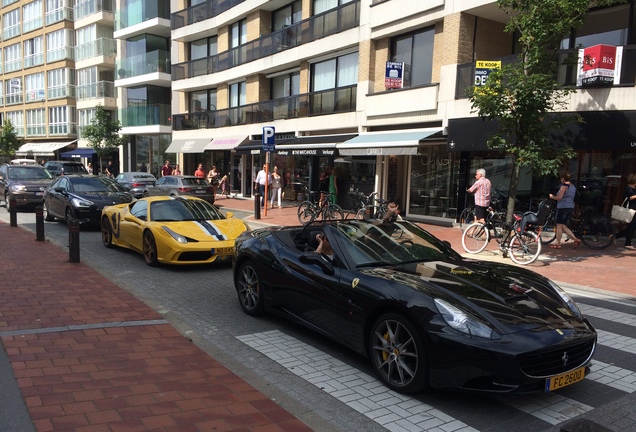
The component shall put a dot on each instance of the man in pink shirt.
(481, 189)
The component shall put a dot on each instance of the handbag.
(623, 213)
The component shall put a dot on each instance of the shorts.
(562, 215)
(480, 212)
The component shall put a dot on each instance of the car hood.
(512, 298)
(104, 198)
(220, 229)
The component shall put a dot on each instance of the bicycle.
(309, 210)
(595, 231)
(467, 216)
(521, 246)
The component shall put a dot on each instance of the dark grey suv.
(25, 183)
(57, 168)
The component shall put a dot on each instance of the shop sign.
(599, 65)
(483, 68)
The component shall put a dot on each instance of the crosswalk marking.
(608, 314)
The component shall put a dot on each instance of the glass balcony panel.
(155, 61)
(63, 129)
(11, 32)
(145, 115)
(36, 130)
(31, 25)
(89, 7)
(8, 2)
(58, 92)
(57, 15)
(99, 47)
(101, 89)
(33, 60)
(35, 95)
(141, 11)
(1, 100)
(13, 65)
(13, 99)
(64, 53)
(201, 12)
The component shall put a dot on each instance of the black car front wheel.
(397, 354)
(150, 249)
(69, 215)
(6, 201)
(249, 289)
(107, 233)
(47, 214)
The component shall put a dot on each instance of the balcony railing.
(63, 129)
(13, 99)
(566, 73)
(101, 89)
(33, 60)
(145, 115)
(201, 12)
(33, 95)
(36, 130)
(63, 53)
(155, 61)
(99, 47)
(328, 23)
(334, 101)
(89, 7)
(32, 24)
(57, 15)
(12, 65)
(64, 91)
(141, 11)
(11, 31)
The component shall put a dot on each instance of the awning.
(387, 143)
(225, 143)
(323, 145)
(78, 152)
(41, 149)
(193, 145)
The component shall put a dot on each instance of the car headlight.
(17, 188)
(567, 299)
(464, 322)
(81, 203)
(178, 237)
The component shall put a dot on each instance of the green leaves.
(9, 141)
(103, 133)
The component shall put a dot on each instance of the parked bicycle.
(595, 231)
(309, 210)
(467, 216)
(522, 246)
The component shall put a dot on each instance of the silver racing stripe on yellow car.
(212, 229)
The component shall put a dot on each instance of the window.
(237, 98)
(33, 52)
(288, 15)
(204, 100)
(203, 48)
(238, 33)
(321, 6)
(61, 120)
(333, 73)
(12, 58)
(59, 45)
(35, 122)
(34, 87)
(416, 51)
(32, 16)
(17, 120)
(286, 85)
(13, 90)
(55, 11)
(59, 83)
(11, 24)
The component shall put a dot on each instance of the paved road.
(289, 363)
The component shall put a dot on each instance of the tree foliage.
(9, 141)
(103, 134)
(524, 96)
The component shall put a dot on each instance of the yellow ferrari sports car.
(172, 230)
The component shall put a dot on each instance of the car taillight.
(183, 189)
(137, 184)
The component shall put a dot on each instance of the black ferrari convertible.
(425, 316)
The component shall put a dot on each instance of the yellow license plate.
(223, 251)
(563, 380)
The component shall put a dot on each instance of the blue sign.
(268, 139)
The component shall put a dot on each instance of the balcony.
(155, 61)
(145, 115)
(12, 65)
(63, 129)
(332, 101)
(11, 32)
(30, 25)
(98, 90)
(34, 95)
(57, 15)
(201, 12)
(33, 60)
(328, 23)
(59, 92)
(13, 99)
(97, 48)
(141, 11)
(87, 8)
(63, 53)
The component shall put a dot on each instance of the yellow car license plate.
(223, 251)
(563, 380)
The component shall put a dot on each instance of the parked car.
(422, 314)
(172, 230)
(136, 182)
(24, 183)
(24, 162)
(182, 185)
(82, 197)
(57, 168)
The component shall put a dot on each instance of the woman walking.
(565, 208)
(276, 187)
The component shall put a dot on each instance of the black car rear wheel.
(150, 249)
(397, 354)
(249, 289)
(107, 233)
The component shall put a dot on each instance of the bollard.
(39, 224)
(13, 212)
(257, 206)
(73, 241)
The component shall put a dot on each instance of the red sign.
(599, 65)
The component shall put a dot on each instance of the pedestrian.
(176, 170)
(259, 181)
(630, 195)
(200, 172)
(333, 185)
(165, 169)
(276, 187)
(323, 184)
(110, 169)
(565, 208)
(481, 189)
(213, 179)
(89, 168)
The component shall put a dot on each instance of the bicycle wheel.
(597, 232)
(306, 212)
(466, 217)
(548, 230)
(333, 212)
(525, 248)
(475, 237)
(361, 214)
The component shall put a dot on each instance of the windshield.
(374, 243)
(28, 173)
(95, 184)
(73, 168)
(195, 181)
(180, 209)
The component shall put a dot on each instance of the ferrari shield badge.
(354, 282)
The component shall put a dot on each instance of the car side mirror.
(59, 190)
(318, 259)
(229, 215)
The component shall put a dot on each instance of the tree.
(9, 141)
(103, 134)
(524, 96)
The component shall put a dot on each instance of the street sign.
(268, 139)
